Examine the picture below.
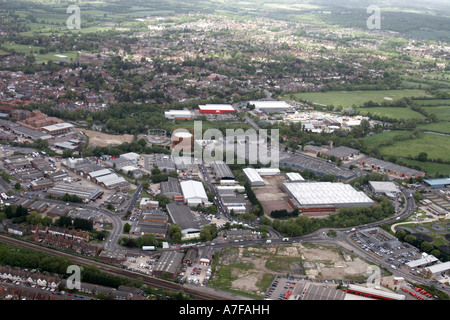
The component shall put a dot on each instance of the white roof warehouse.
(317, 197)
(193, 192)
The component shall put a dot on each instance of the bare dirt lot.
(251, 269)
(272, 196)
(97, 138)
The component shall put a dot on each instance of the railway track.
(148, 280)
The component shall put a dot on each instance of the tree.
(175, 232)
(423, 157)
(34, 218)
(126, 228)
(208, 232)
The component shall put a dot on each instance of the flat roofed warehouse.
(222, 170)
(193, 192)
(216, 108)
(85, 194)
(182, 215)
(317, 194)
(253, 177)
(315, 165)
(271, 106)
(341, 152)
(169, 263)
(438, 183)
(387, 188)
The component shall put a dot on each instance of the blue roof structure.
(438, 183)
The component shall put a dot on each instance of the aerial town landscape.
(224, 150)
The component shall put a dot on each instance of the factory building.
(178, 114)
(216, 108)
(253, 177)
(324, 197)
(193, 192)
(58, 128)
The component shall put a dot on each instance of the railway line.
(148, 280)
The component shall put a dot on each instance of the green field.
(442, 112)
(348, 99)
(436, 146)
(431, 168)
(384, 137)
(394, 113)
(54, 56)
(442, 127)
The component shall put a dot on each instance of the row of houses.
(33, 277)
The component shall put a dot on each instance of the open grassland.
(441, 127)
(384, 137)
(44, 57)
(432, 169)
(348, 99)
(436, 146)
(442, 112)
(392, 113)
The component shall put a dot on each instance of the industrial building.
(438, 183)
(178, 114)
(222, 171)
(271, 106)
(253, 177)
(193, 192)
(437, 269)
(316, 165)
(216, 108)
(387, 188)
(86, 194)
(294, 177)
(268, 171)
(341, 153)
(373, 293)
(380, 237)
(171, 188)
(426, 260)
(182, 215)
(168, 264)
(318, 197)
(391, 168)
(58, 128)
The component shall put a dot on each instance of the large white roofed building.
(193, 192)
(216, 108)
(271, 106)
(317, 197)
(253, 177)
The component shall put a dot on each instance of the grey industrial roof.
(341, 152)
(222, 170)
(170, 186)
(182, 215)
(318, 166)
(392, 166)
(169, 262)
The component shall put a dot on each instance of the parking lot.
(396, 256)
(196, 274)
(141, 263)
(285, 289)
